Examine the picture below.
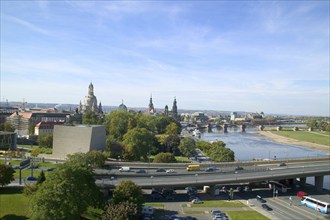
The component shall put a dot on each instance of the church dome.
(122, 107)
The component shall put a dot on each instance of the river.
(250, 145)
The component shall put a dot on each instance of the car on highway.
(140, 171)
(260, 199)
(282, 164)
(159, 170)
(170, 171)
(239, 168)
(266, 207)
(210, 169)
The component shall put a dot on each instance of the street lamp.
(149, 160)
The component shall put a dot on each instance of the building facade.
(70, 139)
(44, 128)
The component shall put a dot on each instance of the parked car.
(160, 170)
(189, 218)
(168, 191)
(240, 189)
(157, 196)
(264, 206)
(191, 189)
(174, 217)
(260, 199)
(215, 212)
(196, 201)
(170, 171)
(140, 171)
(191, 198)
(31, 178)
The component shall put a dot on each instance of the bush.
(164, 158)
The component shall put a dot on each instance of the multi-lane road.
(226, 175)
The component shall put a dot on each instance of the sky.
(270, 56)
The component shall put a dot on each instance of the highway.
(226, 175)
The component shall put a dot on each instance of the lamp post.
(149, 160)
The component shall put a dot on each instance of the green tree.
(66, 194)
(187, 146)
(216, 151)
(118, 122)
(173, 129)
(87, 160)
(146, 121)
(30, 189)
(124, 210)
(164, 158)
(46, 140)
(6, 174)
(90, 118)
(171, 143)
(311, 123)
(114, 147)
(162, 122)
(41, 177)
(128, 191)
(138, 142)
(7, 126)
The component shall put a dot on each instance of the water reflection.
(250, 145)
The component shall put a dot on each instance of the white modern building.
(70, 139)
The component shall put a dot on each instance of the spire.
(151, 106)
(91, 89)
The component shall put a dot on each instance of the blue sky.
(270, 56)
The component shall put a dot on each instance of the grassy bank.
(312, 137)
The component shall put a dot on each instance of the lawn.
(14, 205)
(313, 137)
(245, 215)
(219, 203)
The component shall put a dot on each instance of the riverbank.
(286, 140)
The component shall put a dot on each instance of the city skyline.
(249, 56)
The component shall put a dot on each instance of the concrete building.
(8, 140)
(70, 139)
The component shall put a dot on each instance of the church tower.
(151, 109)
(175, 109)
(166, 110)
(90, 102)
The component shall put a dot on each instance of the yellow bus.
(193, 167)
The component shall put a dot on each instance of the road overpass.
(250, 174)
